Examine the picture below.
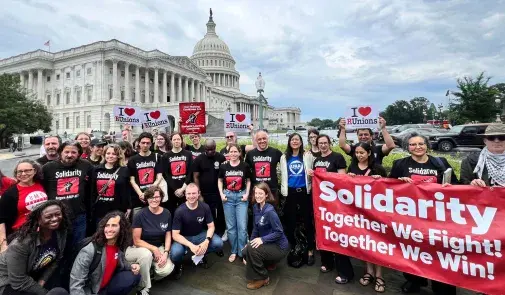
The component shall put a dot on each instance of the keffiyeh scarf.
(495, 164)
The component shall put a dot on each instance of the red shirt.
(84, 156)
(29, 198)
(6, 183)
(111, 257)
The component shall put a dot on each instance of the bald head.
(261, 140)
(210, 147)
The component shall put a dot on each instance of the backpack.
(95, 262)
(297, 257)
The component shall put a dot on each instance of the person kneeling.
(268, 243)
(152, 239)
(188, 230)
(113, 275)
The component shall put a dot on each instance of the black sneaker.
(203, 263)
(178, 271)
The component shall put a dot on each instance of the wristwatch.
(209, 238)
(167, 251)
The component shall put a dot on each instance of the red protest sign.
(453, 234)
(192, 116)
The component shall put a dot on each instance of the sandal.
(366, 279)
(323, 269)
(341, 280)
(232, 257)
(380, 285)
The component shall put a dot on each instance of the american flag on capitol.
(48, 43)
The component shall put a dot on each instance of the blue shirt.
(296, 172)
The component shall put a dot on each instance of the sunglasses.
(493, 137)
(231, 136)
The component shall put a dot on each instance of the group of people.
(117, 217)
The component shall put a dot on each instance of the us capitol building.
(80, 86)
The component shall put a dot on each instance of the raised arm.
(342, 140)
(388, 140)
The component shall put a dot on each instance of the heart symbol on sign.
(240, 117)
(365, 111)
(155, 115)
(129, 111)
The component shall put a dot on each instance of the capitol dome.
(214, 57)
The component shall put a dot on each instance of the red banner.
(192, 116)
(450, 234)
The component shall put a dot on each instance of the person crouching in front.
(268, 243)
(114, 275)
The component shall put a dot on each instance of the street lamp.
(498, 104)
(260, 86)
(424, 114)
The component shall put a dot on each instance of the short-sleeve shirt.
(419, 172)
(192, 222)
(234, 178)
(144, 170)
(331, 163)
(264, 166)
(208, 169)
(195, 152)
(377, 152)
(154, 226)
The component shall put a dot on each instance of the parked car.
(289, 132)
(399, 137)
(402, 128)
(460, 136)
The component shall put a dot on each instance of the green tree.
(328, 123)
(398, 113)
(316, 122)
(419, 106)
(475, 100)
(20, 112)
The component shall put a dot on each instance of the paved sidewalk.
(33, 150)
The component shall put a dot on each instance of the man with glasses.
(51, 145)
(231, 138)
(487, 168)
(196, 149)
(205, 174)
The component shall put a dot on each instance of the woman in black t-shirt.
(162, 144)
(418, 168)
(363, 163)
(234, 184)
(329, 161)
(111, 189)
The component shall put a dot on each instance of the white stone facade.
(81, 85)
(286, 118)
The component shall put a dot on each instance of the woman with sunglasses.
(35, 252)
(487, 168)
(20, 199)
(418, 168)
(363, 163)
(111, 188)
(162, 144)
(84, 139)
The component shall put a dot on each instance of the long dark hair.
(124, 238)
(289, 149)
(368, 148)
(183, 144)
(128, 149)
(312, 130)
(168, 142)
(37, 177)
(31, 226)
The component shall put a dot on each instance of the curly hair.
(121, 161)
(124, 238)
(31, 226)
(37, 177)
(149, 193)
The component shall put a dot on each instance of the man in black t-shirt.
(51, 145)
(196, 149)
(68, 180)
(193, 230)
(206, 174)
(366, 135)
(263, 162)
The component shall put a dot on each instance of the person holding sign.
(366, 135)
(231, 138)
(363, 163)
(329, 161)
(418, 168)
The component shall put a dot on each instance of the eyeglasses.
(154, 198)
(27, 171)
(493, 137)
(420, 144)
(323, 143)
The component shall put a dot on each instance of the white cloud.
(318, 55)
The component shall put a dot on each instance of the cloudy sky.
(320, 56)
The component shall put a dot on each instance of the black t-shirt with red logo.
(234, 178)
(195, 152)
(110, 195)
(263, 165)
(145, 171)
(70, 184)
(331, 163)
(176, 169)
(432, 171)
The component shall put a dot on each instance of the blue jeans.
(121, 283)
(177, 250)
(78, 229)
(235, 212)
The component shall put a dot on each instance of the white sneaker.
(225, 236)
(144, 291)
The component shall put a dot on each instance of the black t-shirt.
(431, 171)
(116, 193)
(192, 222)
(263, 165)
(315, 154)
(154, 226)
(195, 152)
(43, 160)
(48, 254)
(176, 168)
(95, 163)
(376, 169)
(70, 184)
(331, 163)
(377, 151)
(145, 171)
(208, 168)
(224, 152)
(234, 178)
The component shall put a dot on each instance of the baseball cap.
(96, 141)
